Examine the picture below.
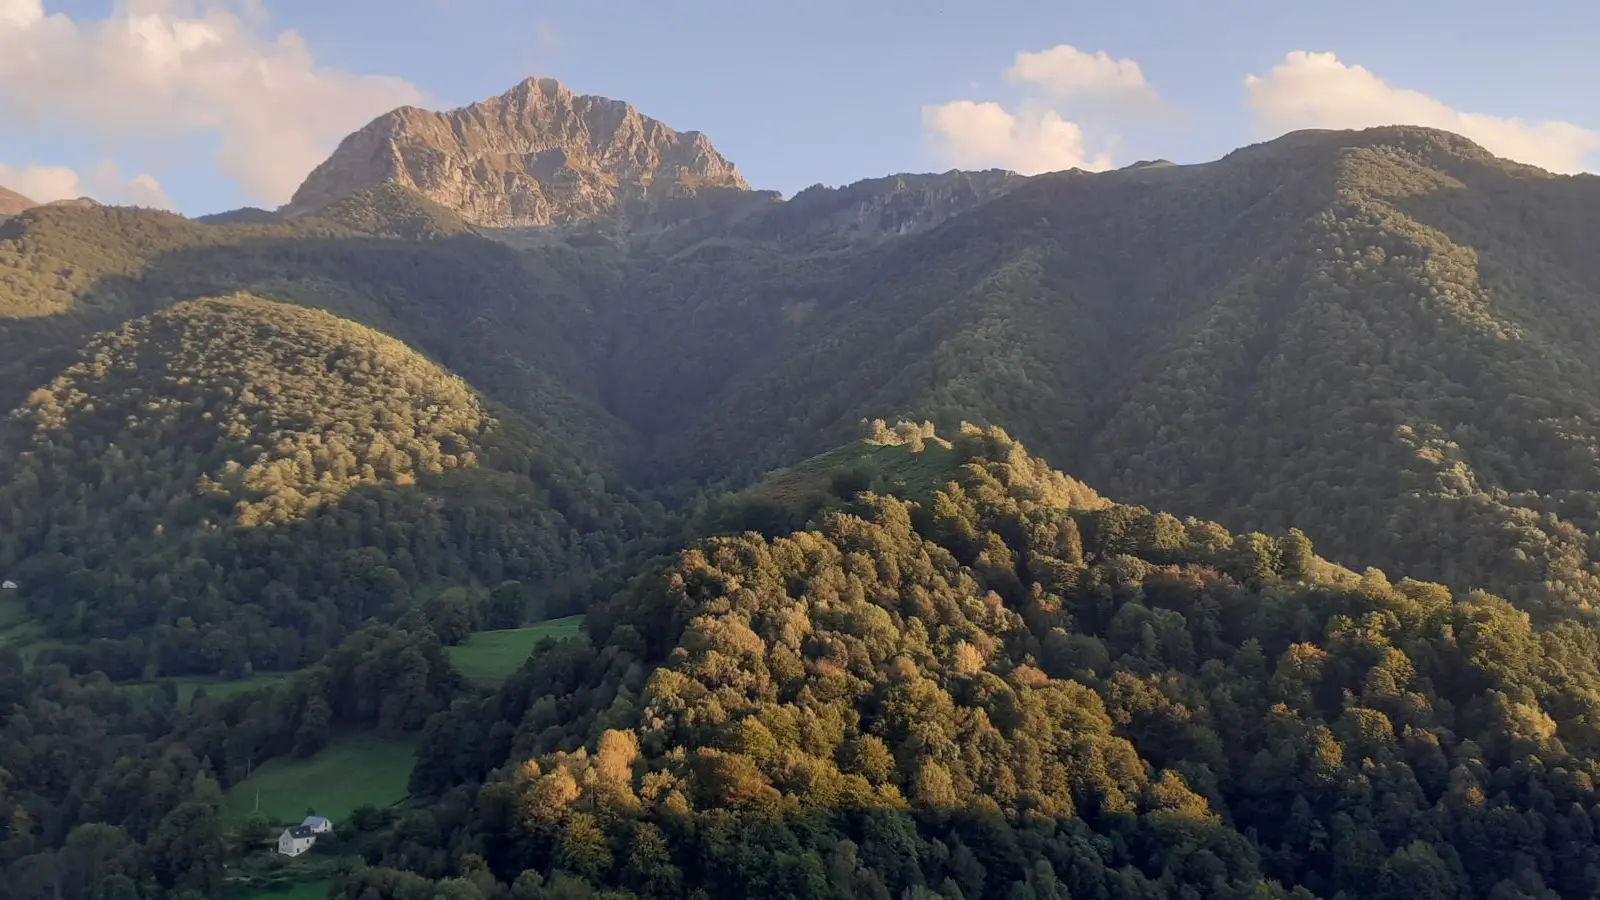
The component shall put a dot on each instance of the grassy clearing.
(299, 890)
(492, 656)
(350, 772)
(893, 469)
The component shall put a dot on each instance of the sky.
(206, 105)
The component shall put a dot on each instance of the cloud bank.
(163, 69)
(105, 183)
(1317, 90)
(1037, 136)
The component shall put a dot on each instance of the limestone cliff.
(537, 155)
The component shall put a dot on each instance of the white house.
(8, 585)
(297, 839)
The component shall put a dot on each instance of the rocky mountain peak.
(539, 154)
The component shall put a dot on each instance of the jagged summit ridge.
(536, 155)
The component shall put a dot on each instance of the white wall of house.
(297, 839)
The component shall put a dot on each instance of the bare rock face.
(536, 155)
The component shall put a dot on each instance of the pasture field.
(490, 657)
(352, 771)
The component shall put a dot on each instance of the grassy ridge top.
(912, 466)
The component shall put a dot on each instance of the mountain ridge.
(12, 202)
(540, 156)
(1038, 308)
(1042, 311)
(536, 155)
(911, 666)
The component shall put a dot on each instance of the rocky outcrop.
(536, 155)
(884, 207)
(864, 212)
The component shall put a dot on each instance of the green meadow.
(352, 771)
(915, 475)
(299, 890)
(492, 656)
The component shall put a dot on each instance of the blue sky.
(227, 110)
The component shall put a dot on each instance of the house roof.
(315, 820)
(300, 831)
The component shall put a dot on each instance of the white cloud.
(973, 135)
(43, 183)
(1065, 70)
(20, 13)
(1317, 90)
(1037, 135)
(158, 69)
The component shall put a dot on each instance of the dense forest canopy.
(233, 484)
(1021, 689)
(1386, 338)
(307, 463)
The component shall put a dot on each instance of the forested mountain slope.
(1017, 690)
(1385, 337)
(518, 326)
(903, 669)
(236, 483)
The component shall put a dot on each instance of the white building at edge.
(297, 839)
